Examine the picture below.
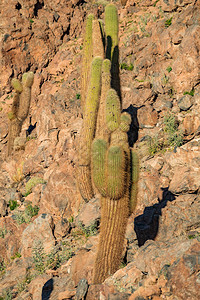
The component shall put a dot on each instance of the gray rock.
(81, 289)
(38, 231)
(185, 102)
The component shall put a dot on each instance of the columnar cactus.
(88, 130)
(20, 107)
(111, 30)
(86, 58)
(101, 128)
(104, 153)
(97, 39)
(112, 47)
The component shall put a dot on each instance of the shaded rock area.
(48, 234)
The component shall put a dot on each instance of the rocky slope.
(48, 235)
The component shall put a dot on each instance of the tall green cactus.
(97, 39)
(20, 107)
(101, 128)
(88, 130)
(111, 30)
(112, 44)
(104, 153)
(86, 58)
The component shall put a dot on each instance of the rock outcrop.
(160, 76)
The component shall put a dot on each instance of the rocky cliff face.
(48, 235)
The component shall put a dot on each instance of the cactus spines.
(125, 122)
(98, 48)
(101, 129)
(112, 48)
(20, 106)
(115, 172)
(113, 112)
(16, 84)
(114, 216)
(89, 125)
(99, 149)
(91, 109)
(104, 154)
(111, 30)
(84, 181)
(134, 180)
(87, 57)
(25, 96)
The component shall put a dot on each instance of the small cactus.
(20, 107)
(125, 122)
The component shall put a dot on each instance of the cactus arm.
(86, 58)
(101, 129)
(20, 107)
(98, 48)
(25, 96)
(99, 149)
(112, 110)
(88, 130)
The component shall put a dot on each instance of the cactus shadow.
(134, 127)
(30, 128)
(146, 225)
(47, 289)
(113, 56)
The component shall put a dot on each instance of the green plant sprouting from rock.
(20, 107)
(106, 164)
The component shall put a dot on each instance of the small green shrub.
(3, 232)
(7, 294)
(23, 283)
(88, 230)
(39, 257)
(71, 219)
(32, 183)
(174, 136)
(191, 93)
(155, 3)
(13, 204)
(155, 146)
(168, 22)
(169, 69)
(78, 96)
(124, 66)
(2, 265)
(53, 260)
(16, 255)
(26, 215)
